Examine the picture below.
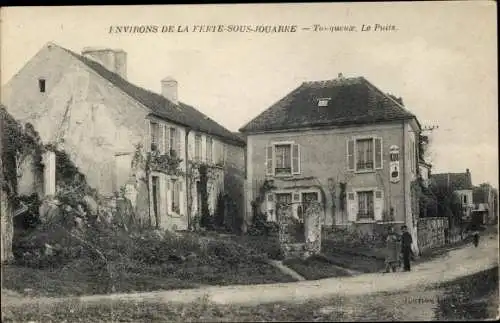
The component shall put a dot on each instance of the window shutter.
(169, 195)
(295, 159)
(177, 141)
(378, 205)
(203, 156)
(161, 142)
(269, 160)
(181, 198)
(147, 136)
(378, 153)
(350, 154)
(166, 140)
(352, 207)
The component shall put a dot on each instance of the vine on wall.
(18, 143)
(207, 174)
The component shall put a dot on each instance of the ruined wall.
(431, 233)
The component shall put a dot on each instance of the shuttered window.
(365, 205)
(283, 159)
(364, 154)
(155, 134)
(174, 141)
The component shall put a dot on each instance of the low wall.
(432, 233)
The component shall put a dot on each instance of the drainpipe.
(404, 169)
(188, 187)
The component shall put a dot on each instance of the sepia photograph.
(249, 162)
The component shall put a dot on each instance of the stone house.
(485, 199)
(461, 185)
(124, 138)
(342, 142)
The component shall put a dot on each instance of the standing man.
(406, 242)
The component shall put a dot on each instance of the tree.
(447, 204)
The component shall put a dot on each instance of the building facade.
(341, 142)
(84, 104)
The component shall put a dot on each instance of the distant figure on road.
(392, 252)
(475, 235)
(406, 242)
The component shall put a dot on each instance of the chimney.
(115, 60)
(169, 89)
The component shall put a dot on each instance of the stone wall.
(290, 231)
(431, 233)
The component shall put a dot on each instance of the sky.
(441, 59)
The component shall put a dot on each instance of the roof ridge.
(386, 96)
(241, 129)
(157, 104)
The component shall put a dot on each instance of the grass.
(314, 268)
(146, 263)
(480, 297)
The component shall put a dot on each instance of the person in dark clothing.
(406, 242)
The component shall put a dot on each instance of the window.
(197, 147)
(364, 154)
(323, 102)
(209, 149)
(173, 140)
(283, 198)
(175, 185)
(283, 159)
(41, 85)
(365, 205)
(155, 133)
(364, 160)
(465, 199)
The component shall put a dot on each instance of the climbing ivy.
(207, 174)
(18, 143)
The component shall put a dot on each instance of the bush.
(260, 226)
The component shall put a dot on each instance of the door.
(156, 199)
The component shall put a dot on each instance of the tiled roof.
(350, 101)
(160, 106)
(457, 181)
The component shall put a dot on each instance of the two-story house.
(84, 104)
(342, 142)
(485, 199)
(461, 185)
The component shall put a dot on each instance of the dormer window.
(41, 85)
(323, 102)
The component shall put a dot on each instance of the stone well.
(300, 239)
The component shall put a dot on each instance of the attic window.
(323, 102)
(41, 85)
